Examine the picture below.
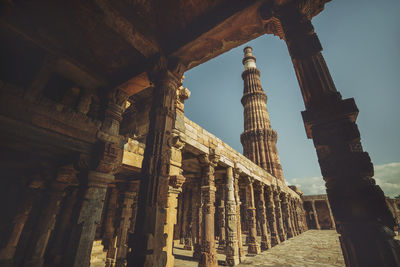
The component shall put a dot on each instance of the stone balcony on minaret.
(258, 139)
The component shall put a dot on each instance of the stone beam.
(128, 31)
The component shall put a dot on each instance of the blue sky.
(361, 41)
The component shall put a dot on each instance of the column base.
(197, 251)
(208, 260)
(253, 249)
(265, 245)
(282, 237)
(232, 261)
(275, 241)
(188, 244)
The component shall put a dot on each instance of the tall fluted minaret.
(258, 138)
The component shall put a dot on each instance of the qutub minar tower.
(258, 138)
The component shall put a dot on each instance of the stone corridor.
(312, 248)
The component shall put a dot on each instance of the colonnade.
(239, 206)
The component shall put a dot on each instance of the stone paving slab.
(314, 248)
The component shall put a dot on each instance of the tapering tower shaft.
(258, 139)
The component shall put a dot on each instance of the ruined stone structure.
(95, 145)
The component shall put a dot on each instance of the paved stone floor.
(312, 249)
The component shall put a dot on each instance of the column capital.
(163, 70)
(249, 180)
(207, 160)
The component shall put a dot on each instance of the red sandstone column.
(149, 244)
(208, 189)
(236, 174)
(271, 214)
(196, 211)
(287, 218)
(362, 217)
(294, 216)
(231, 248)
(221, 213)
(253, 246)
(265, 239)
(278, 213)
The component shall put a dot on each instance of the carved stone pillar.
(331, 215)
(128, 196)
(295, 219)
(265, 239)
(196, 219)
(88, 219)
(287, 218)
(34, 187)
(189, 225)
(66, 176)
(221, 220)
(62, 231)
(178, 225)
(278, 213)
(185, 217)
(232, 247)
(151, 244)
(109, 237)
(238, 217)
(366, 236)
(315, 215)
(271, 214)
(208, 189)
(253, 246)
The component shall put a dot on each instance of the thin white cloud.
(387, 176)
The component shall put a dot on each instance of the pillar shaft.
(88, 219)
(66, 176)
(253, 246)
(366, 236)
(185, 216)
(208, 251)
(331, 215)
(221, 220)
(316, 220)
(109, 237)
(128, 196)
(278, 213)
(232, 247)
(271, 214)
(287, 218)
(151, 243)
(189, 226)
(238, 217)
(265, 239)
(57, 247)
(196, 219)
